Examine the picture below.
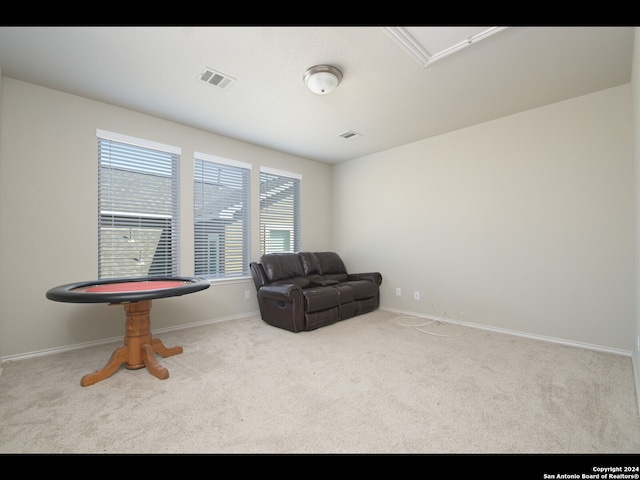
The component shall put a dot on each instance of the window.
(138, 204)
(279, 211)
(221, 216)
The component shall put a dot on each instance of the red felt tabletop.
(134, 286)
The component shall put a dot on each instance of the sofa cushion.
(363, 288)
(338, 277)
(322, 282)
(330, 263)
(282, 266)
(323, 266)
(346, 291)
(302, 282)
(309, 264)
(321, 298)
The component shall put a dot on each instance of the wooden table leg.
(118, 357)
(139, 348)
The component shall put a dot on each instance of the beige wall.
(523, 224)
(48, 217)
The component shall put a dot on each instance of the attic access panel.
(427, 45)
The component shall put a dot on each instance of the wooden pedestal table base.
(135, 293)
(139, 348)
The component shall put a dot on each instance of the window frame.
(236, 248)
(152, 167)
(276, 215)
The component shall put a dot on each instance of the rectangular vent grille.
(350, 134)
(216, 79)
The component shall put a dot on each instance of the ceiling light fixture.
(322, 79)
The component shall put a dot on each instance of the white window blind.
(138, 204)
(222, 217)
(279, 211)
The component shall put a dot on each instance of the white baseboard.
(588, 346)
(78, 346)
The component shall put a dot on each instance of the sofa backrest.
(284, 268)
(327, 265)
(302, 269)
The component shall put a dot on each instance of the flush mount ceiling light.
(322, 79)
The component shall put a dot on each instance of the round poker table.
(121, 290)
(135, 294)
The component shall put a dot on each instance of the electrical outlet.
(416, 295)
(247, 294)
(398, 292)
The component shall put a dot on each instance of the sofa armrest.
(283, 306)
(282, 293)
(257, 272)
(375, 277)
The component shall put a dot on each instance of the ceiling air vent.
(350, 134)
(216, 79)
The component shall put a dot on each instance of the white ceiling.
(386, 95)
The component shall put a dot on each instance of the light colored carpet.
(365, 385)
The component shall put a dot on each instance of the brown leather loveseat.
(308, 290)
